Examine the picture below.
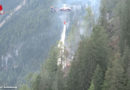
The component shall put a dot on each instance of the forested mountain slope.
(28, 34)
(26, 38)
(102, 60)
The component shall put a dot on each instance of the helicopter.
(65, 8)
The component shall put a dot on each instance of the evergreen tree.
(36, 85)
(91, 86)
(126, 66)
(128, 85)
(103, 11)
(98, 78)
(89, 69)
(100, 46)
(89, 18)
(114, 78)
(48, 76)
(91, 51)
(59, 83)
(125, 24)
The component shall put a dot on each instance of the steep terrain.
(25, 40)
(29, 32)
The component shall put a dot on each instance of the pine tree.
(125, 24)
(91, 51)
(126, 66)
(114, 78)
(128, 85)
(100, 46)
(59, 83)
(91, 86)
(48, 79)
(36, 85)
(103, 16)
(98, 78)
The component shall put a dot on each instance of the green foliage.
(89, 18)
(24, 87)
(91, 86)
(95, 66)
(103, 11)
(125, 25)
(88, 55)
(126, 66)
(100, 46)
(114, 78)
(51, 76)
(79, 77)
(128, 85)
(89, 22)
(98, 78)
(48, 73)
(28, 34)
(59, 83)
(126, 59)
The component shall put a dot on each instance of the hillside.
(96, 52)
(93, 45)
(26, 38)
